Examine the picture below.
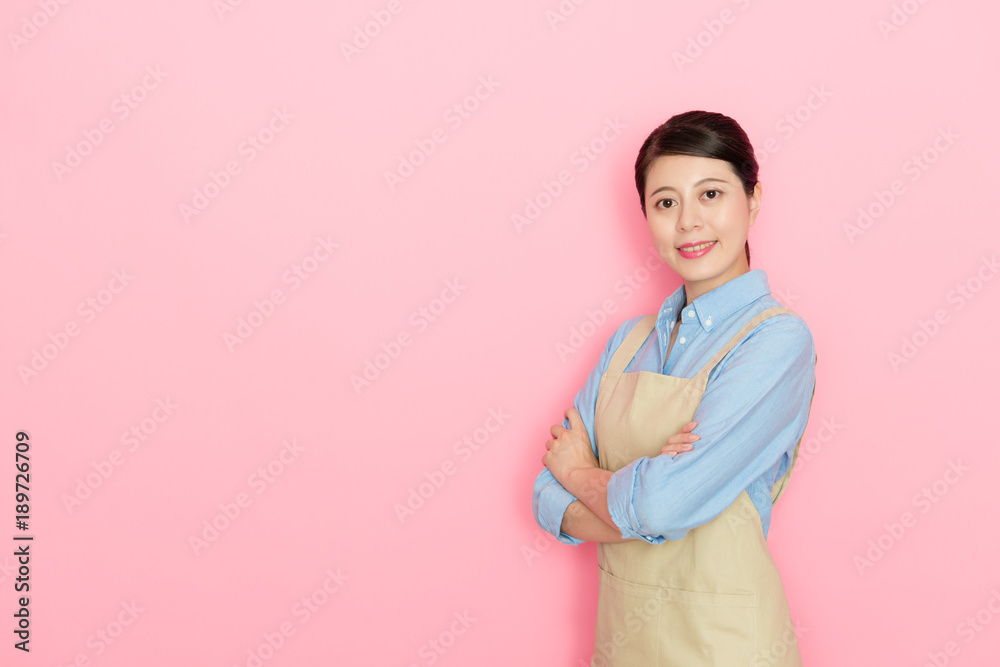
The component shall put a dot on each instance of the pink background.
(837, 109)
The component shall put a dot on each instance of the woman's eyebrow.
(704, 180)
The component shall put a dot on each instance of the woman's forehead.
(687, 171)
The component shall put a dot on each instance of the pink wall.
(208, 151)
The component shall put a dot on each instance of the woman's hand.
(570, 449)
(681, 442)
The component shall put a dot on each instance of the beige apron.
(711, 598)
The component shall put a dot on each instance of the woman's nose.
(688, 219)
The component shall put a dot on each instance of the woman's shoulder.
(786, 317)
(786, 328)
(624, 329)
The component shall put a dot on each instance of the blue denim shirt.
(752, 414)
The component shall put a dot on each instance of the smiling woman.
(712, 224)
(700, 134)
(682, 518)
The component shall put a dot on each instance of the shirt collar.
(714, 306)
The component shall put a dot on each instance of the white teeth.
(696, 248)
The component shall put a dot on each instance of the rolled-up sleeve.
(752, 414)
(549, 501)
(549, 498)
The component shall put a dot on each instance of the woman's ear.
(754, 202)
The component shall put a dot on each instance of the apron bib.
(713, 598)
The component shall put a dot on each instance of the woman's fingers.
(681, 442)
(575, 420)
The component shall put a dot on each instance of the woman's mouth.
(691, 251)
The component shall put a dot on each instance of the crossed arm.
(570, 458)
(753, 411)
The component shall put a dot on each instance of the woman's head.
(697, 181)
(702, 134)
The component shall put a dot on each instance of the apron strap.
(740, 335)
(779, 485)
(633, 341)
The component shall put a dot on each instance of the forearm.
(581, 522)
(590, 485)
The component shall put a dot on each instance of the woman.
(680, 441)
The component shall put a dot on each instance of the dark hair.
(702, 134)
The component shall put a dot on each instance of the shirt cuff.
(552, 501)
(621, 504)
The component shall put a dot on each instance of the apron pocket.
(650, 626)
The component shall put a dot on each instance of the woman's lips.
(691, 250)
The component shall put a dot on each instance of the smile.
(692, 251)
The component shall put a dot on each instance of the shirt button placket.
(683, 339)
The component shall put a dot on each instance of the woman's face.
(698, 200)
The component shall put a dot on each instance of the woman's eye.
(663, 203)
(715, 194)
